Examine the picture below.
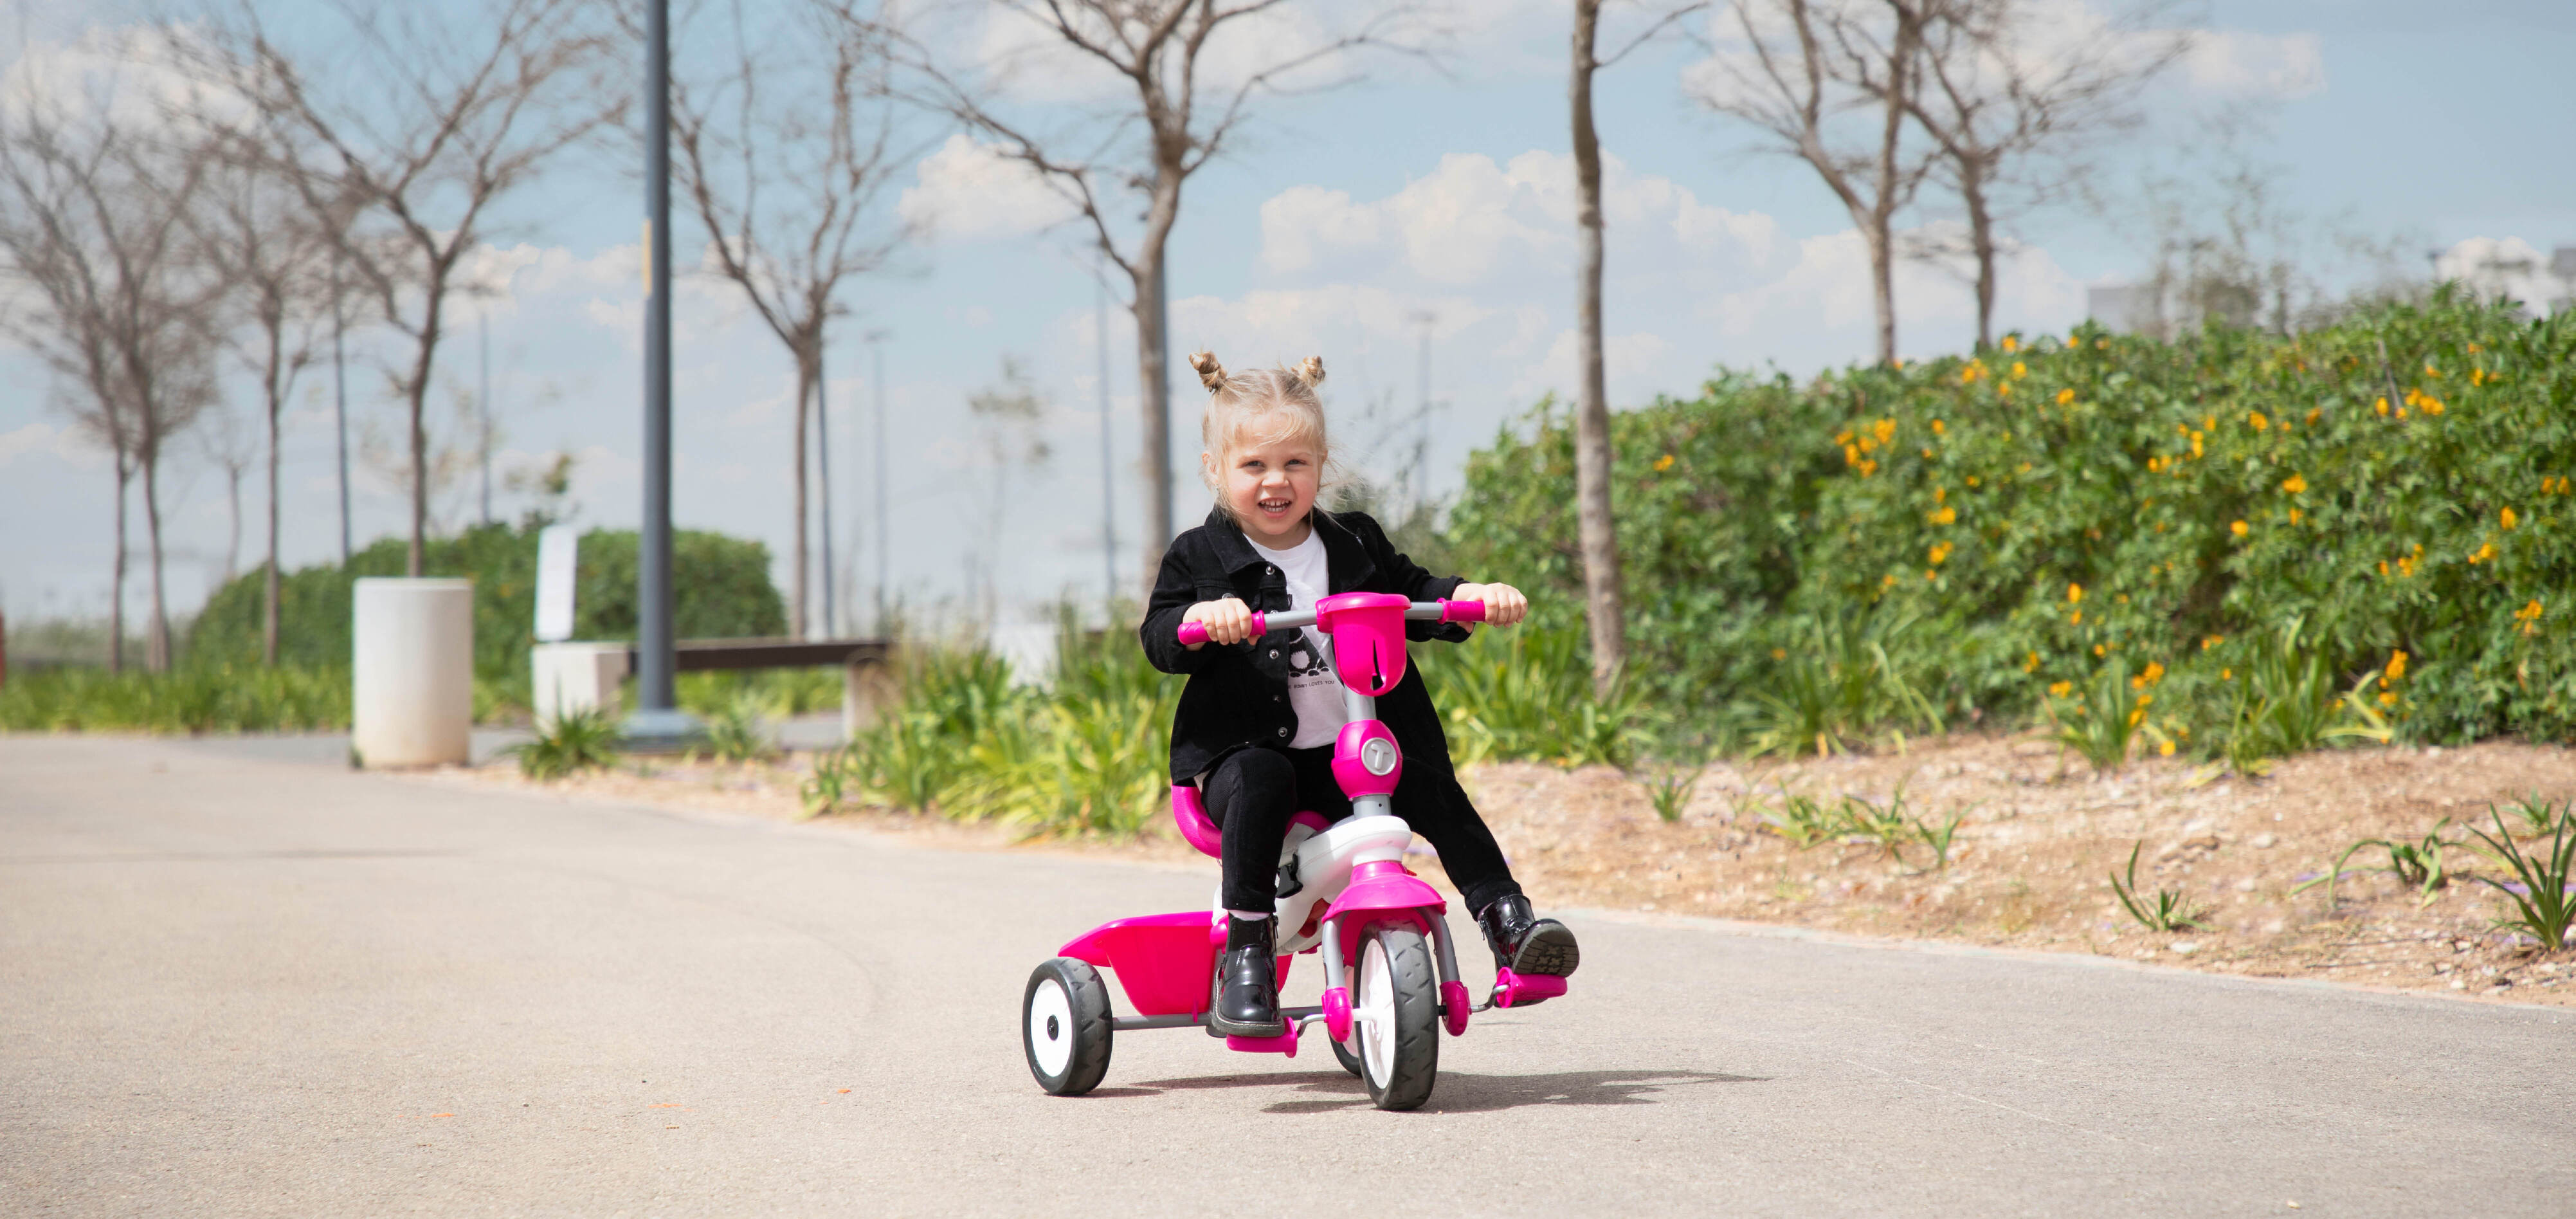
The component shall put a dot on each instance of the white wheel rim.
(1373, 1016)
(1051, 1027)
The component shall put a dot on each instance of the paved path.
(234, 985)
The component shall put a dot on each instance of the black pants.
(1253, 792)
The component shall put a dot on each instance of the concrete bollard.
(567, 678)
(413, 671)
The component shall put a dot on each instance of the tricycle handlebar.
(1194, 633)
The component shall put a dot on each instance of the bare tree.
(1604, 604)
(273, 250)
(93, 207)
(2013, 105)
(425, 117)
(1132, 158)
(784, 156)
(1795, 69)
(229, 447)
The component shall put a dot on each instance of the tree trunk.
(116, 583)
(1881, 222)
(417, 555)
(1981, 240)
(798, 560)
(232, 520)
(268, 579)
(156, 641)
(1600, 543)
(1154, 399)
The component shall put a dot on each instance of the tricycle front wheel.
(1065, 1026)
(1396, 1016)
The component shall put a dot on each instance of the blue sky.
(1345, 215)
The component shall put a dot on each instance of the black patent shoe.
(1526, 944)
(1247, 980)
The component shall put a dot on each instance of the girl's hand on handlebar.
(1227, 621)
(1504, 604)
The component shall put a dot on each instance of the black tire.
(1400, 1061)
(1350, 1061)
(1065, 1025)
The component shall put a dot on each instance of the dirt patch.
(2036, 840)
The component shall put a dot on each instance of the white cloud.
(1624, 357)
(39, 442)
(2497, 267)
(2245, 64)
(968, 190)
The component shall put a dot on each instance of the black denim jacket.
(1238, 694)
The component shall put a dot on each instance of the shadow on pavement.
(1457, 1093)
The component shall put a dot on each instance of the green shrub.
(2059, 502)
(568, 744)
(1524, 693)
(721, 584)
(2543, 888)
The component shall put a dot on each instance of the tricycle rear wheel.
(1065, 1026)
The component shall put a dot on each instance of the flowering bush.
(2398, 484)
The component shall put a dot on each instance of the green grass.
(2541, 905)
(569, 744)
(2417, 863)
(2165, 910)
(191, 699)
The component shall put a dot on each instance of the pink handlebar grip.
(1462, 611)
(1195, 633)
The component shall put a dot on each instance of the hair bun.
(1311, 370)
(1211, 373)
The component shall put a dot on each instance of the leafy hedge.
(1999, 532)
(722, 585)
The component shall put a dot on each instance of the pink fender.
(1383, 886)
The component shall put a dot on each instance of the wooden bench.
(571, 676)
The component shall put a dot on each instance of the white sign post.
(558, 567)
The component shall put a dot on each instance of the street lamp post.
(658, 723)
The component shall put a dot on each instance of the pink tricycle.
(1391, 974)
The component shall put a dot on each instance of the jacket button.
(1278, 698)
(1283, 732)
(1274, 653)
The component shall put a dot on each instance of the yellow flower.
(2432, 405)
(2315, 414)
(2011, 343)
(2195, 444)
(2431, 371)
(2256, 418)
(2074, 593)
(1972, 480)
(2227, 675)
(2100, 650)
(2209, 422)
(2383, 406)
(2295, 484)
(2210, 641)
(2294, 516)
(2396, 667)
(2529, 613)
(2137, 715)
(2485, 552)
(2477, 376)
(1940, 553)
(2076, 619)
(2164, 749)
(1885, 429)
(2065, 396)
(2031, 665)
(2003, 388)
(1663, 463)
(1937, 429)
(2383, 569)
(2509, 519)
(2387, 698)
(1968, 375)
(1779, 653)
(2019, 369)
(2237, 528)
(1888, 580)
(2155, 672)
(2060, 688)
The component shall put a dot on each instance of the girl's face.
(1270, 488)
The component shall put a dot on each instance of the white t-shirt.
(1313, 692)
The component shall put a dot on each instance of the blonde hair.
(1239, 404)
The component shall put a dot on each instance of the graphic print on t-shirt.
(1313, 692)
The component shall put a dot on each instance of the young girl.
(1257, 721)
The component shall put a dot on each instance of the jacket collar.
(1348, 559)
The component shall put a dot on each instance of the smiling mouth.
(1274, 506)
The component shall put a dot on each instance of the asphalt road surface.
(231, 984)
